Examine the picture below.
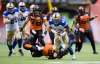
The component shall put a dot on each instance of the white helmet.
(54, 9)
(56, 16)
(10, 5)
(31, 7)
(34, 8)
(21, 4)
(80, 8)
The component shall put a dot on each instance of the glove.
(33, 31)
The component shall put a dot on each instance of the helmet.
(54, 9)
(10, 7)
(22, 6)
(81, 8)
(32, 7)
(56, 16)
(48, 49)
(35, 9)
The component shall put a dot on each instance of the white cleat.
(73, 57)
(13, 52)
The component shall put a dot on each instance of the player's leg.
(14, 43)
(57, 43)
(90, 37)
(10, 35)
(64, 50)
(40, 37)
(20, 46)
(35, 52)
(80, 41)
(19, 41)
(71, 49)
(33, 37)
(51, 34)
(56, 47)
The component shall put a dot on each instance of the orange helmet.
(48, 49)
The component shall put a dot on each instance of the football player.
(22, 15)
(83, 23)
(10, 20)
(36, 21)
(57, 24)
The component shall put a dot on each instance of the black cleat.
(21, 52)
(10, 53)
(51, 57)
(95, 52)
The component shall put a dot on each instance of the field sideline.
(84, 57)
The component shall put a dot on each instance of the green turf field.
(84, 57)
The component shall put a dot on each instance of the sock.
(14, 43)
(19, 43)
(9, 46)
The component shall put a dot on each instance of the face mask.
(81, 12)
(36, 13)
(10, 10)
(22, 8)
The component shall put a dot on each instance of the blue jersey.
(21, 16)
(6, 13)
(62, 22)
(12, 18)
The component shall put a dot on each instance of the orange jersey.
(84, 22)
(37, 22)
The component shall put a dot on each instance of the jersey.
(37, 22)
(21, 16)
(84, 22)
(12, 17)
(58, 25)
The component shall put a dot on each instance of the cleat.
(73, 57)
(10, 53)
(21, 52)
(13, 52)
(95, 52)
